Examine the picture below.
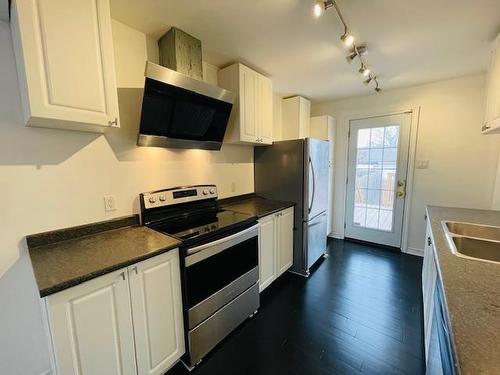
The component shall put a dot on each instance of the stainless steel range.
(219, 265)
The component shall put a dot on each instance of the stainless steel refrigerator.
(297, 171)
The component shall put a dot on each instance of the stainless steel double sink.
(473, 241)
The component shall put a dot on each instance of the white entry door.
(376, 185)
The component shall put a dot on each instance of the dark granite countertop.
(65, 258)
(472, 294)
(254, 205)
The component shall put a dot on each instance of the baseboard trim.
(415, 251)
(336, 235)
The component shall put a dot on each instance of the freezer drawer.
(315, 238)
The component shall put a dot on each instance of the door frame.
(414, 122)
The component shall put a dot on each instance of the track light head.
(367, 81)
(378, 89)
(347, 39)
(364, 70)
(320, 6)
(351, 56)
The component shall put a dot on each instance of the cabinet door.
(248, 105)
(305, 118)
(429, 276)
(495, 100)
(266, 110)
(91, 327)
(267, 251)
(65, 62)
(155, 289)
(285, 240)
(492, 114)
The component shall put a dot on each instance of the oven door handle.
(199, 253)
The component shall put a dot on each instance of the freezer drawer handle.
(314, 184)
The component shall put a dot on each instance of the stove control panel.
(168, 197)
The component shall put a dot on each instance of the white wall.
(495, 204)
(462, 162)
(51, 179)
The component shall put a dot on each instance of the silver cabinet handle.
(122, 274)
(114, 122)
(134, 269)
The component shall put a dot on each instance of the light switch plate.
(422, 164)
(109, 203)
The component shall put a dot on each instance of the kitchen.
(56, 179)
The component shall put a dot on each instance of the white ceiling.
(409, 42)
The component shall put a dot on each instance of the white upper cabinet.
(266, 110)
(296, 118)
(251, 120)
(65, 63)
(492, 116)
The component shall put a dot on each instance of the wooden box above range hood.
(181, 52)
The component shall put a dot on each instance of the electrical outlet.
(109, 203)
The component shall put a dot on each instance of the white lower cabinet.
(285, 240)
(126, 322)
(155, 292)
(429, 277)
(275, 246)
(267, 251)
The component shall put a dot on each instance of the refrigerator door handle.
(314, 184)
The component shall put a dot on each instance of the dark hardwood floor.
(360, 312)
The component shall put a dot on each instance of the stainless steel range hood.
(182, 112)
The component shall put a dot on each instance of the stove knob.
(152, 199)
(162, 198)
(212, 191)
(205, 192)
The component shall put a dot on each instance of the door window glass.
(375, 185)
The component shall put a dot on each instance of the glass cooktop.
(194, 227)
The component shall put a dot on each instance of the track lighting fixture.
(364, 70)
(320, 6)
(347, 38)
(351, 56)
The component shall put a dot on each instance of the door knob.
(401, 190)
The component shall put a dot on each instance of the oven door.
(219, 271)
